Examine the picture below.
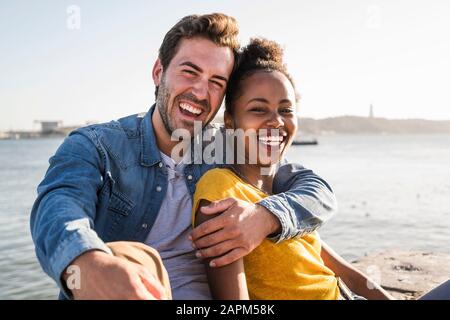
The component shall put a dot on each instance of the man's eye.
(190, 72)
(217, 84)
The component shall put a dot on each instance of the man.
(113, 199)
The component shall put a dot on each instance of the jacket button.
(144, 226)
(158, 189)
(160, 164)
(189, 177)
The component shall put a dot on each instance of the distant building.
(48, 127)
(371, 111)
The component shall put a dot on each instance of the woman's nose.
(276, 120)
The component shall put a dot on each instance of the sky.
(91, 60)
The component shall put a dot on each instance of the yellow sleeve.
(214, 185)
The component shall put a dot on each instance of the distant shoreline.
(24, 135)
(369, 125)
(310, 137)
(306, 127)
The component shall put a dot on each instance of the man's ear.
(228, 120)
(157, 72)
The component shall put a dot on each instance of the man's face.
(193, 85)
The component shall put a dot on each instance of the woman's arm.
(356, 281)
(227, 282)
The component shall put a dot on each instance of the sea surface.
(393, 192)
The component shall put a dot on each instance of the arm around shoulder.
(302, 201)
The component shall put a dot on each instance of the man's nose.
(200, 89)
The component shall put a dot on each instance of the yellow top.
(292, 269)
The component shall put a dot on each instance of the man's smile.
(190, 109)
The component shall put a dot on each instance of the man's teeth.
(271, 140)
(191, 109)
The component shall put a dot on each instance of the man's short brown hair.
(217, 27)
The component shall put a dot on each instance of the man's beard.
(162, 103)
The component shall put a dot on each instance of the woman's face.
(267, 101)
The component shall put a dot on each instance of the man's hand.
(104, 276)
(233, 234)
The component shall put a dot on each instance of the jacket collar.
(149, 149)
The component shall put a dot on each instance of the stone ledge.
(406, 274)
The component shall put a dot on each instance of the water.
(22, 166)
(393, 192)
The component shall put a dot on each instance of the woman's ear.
(228, 120)
(157, 72)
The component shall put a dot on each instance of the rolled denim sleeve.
(302, 201)
(62, 217)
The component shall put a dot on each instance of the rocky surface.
(405, 274)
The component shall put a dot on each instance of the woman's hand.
(356, 281)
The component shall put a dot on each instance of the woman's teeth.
(271, 140)
(189, 108)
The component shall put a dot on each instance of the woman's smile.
(267, 106)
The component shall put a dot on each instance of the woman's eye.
(257, 109)
(287, 110)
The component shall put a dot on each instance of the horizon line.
(89, 122)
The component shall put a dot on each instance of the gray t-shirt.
(169, 235)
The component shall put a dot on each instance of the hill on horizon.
(355, 125)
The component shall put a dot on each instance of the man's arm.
(302, 201)
(62, 226)
(305, 202)
(63, 213)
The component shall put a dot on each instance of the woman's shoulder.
(216, 184)
(218, 179)
(224, 182)
(219, 175)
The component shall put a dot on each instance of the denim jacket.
(106, 182)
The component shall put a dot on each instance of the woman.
(262, 100)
